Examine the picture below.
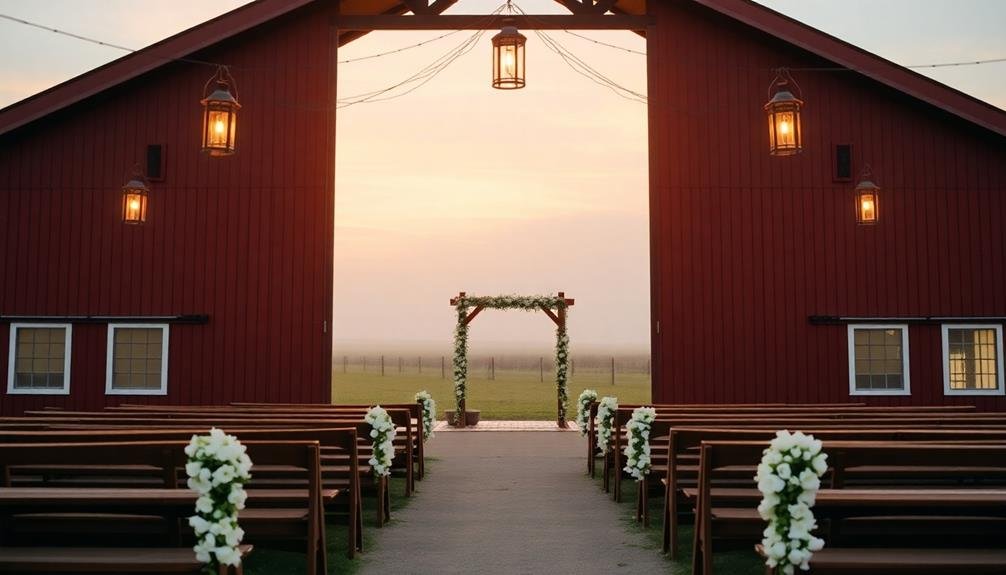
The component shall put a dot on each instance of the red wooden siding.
(745, 246)
(246, 239)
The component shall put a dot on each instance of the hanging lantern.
(867, 199)
(508, 58)
(134, 199)
(785, 135)
(220, 114)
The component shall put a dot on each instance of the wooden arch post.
(558, 317)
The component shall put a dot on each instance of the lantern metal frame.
(509, 38)
(783, 109)
(220, 108)
(867, 192)
(135, 198)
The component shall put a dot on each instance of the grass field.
(513, 395)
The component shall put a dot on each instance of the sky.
(459, 187)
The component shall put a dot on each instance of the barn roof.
(262, 11)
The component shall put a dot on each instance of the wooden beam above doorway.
(492, 22)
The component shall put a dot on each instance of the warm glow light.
(220, 116)
(509, 62)
(867, 199)
(867, 208)
(785, 135)
(134, 201)
(508, 58)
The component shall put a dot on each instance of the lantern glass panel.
(508, 60)
(784, 129)
(134, 206)
(219, 129)
(866, 207)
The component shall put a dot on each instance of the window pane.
(137, 358)
(972, 361)
(879, 360)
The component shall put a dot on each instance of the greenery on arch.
(464, 306)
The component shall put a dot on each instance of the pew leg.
(639, 500)
(666, 533)
(387, 500)
(606, 470)
(382, 486)
(645, 483)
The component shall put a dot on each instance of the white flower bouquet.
(382, 433)
(637, 452)
(789, 477)
(429, 413)
(604, 421)
(583, 409)
(218, 468)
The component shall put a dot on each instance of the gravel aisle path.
(509, 503)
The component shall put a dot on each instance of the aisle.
(510, 503)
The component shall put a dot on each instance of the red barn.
(764, 286)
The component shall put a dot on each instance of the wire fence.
(492, 367)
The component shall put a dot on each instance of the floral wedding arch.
(467, 307)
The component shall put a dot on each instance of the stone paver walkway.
(509, 503)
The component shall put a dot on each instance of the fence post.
(382, 366)
(648, 367)
(612, 371)
(399, 364)
(420, 364)
(492, 368)
(364, 364)
(541, 369)
(443, 369)
(572, 367)
(345, 363)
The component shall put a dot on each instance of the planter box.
(471, 417)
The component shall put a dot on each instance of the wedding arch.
(468, 307)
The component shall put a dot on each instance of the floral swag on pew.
(218, 468)
(429, 413)
(789, 477)
(604, 422)
(383, 433)
(463, 306)
(583, 409)
(637, 452)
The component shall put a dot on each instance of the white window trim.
(904, 359)
(110, 358)
(12, 358)
(945, 329)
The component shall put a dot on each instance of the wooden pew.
(683, 445)
(303, 522)
(402, 417)
(415, 410)
(870, 417)
(713, 518)
(335, 486)
(204, 422)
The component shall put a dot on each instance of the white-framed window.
(878, 359)
(973, 359)
(137, 359)
(39, 359)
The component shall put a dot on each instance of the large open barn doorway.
(456, 186)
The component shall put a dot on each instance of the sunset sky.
(457, 186)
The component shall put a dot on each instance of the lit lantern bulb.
(508, 62)
(134, 205)
(220, 127)
(784, 127)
